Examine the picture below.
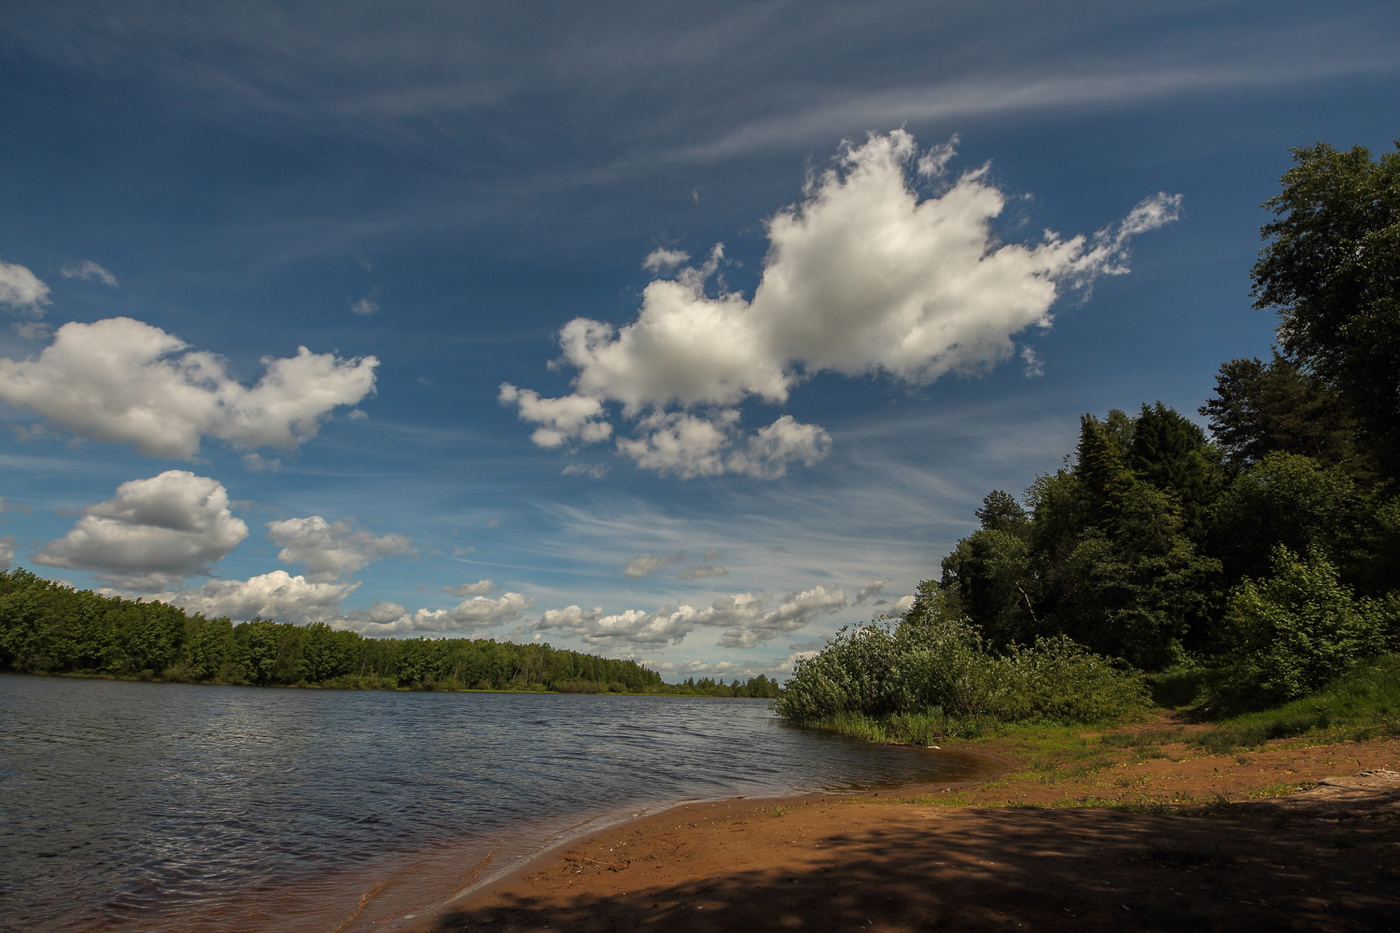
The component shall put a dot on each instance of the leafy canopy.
(1331, 267)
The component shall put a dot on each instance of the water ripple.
(169, 807)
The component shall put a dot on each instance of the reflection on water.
(171, 807)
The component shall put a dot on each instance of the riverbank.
(1136, 830)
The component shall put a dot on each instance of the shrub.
(1290, 634)
(1057, 680)
(937, 676)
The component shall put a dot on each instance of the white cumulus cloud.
(21, 289)
(329, 550)
(7, 551)
(278, 596)
(865, 275)
(152, 533)
(794, 612)
(125, 381)
(560, 420)
(711, 444)
(471, 615)
(746, 620)
(283, 597)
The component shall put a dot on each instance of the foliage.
(1362, 703)
(1331, 267)
(760, 687)
(937, 676)
(1284, 499)
(1292, 633)
(1106, 555)
(1275, 407)
(47, 628)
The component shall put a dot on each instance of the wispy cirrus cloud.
(89, 271)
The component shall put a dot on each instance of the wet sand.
(1184, 841)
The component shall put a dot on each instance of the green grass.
(930, 728)
(1364, 703)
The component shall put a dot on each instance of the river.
(166, 807)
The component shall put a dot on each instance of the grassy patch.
(1256, 729)
(1149, 754)
(1269, 791)
(929, 728)
(1362, 704)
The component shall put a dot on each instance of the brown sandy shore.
(1157, 837)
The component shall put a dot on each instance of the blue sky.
(680, 332)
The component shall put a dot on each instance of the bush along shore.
(48, 628)
(1221, 573)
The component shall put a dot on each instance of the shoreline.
(1156, 841)
(600, 826)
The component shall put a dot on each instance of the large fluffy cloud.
(746, 620)
(125, 381)
(863, 276)
(329, 550)
(152, 533)
(278, 596)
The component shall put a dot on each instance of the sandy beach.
(1155, 837)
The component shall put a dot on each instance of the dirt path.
(1154, 836)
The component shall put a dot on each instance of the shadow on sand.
(1233, 868)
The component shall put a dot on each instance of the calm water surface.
(169, 807)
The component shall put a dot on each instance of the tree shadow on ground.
(1233, 868)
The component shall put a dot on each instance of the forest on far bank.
(49, 628)
(1250, 566)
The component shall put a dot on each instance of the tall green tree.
(1173, 454)
(1263, 408)
(1331, 267)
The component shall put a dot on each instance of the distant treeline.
(48, 628)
